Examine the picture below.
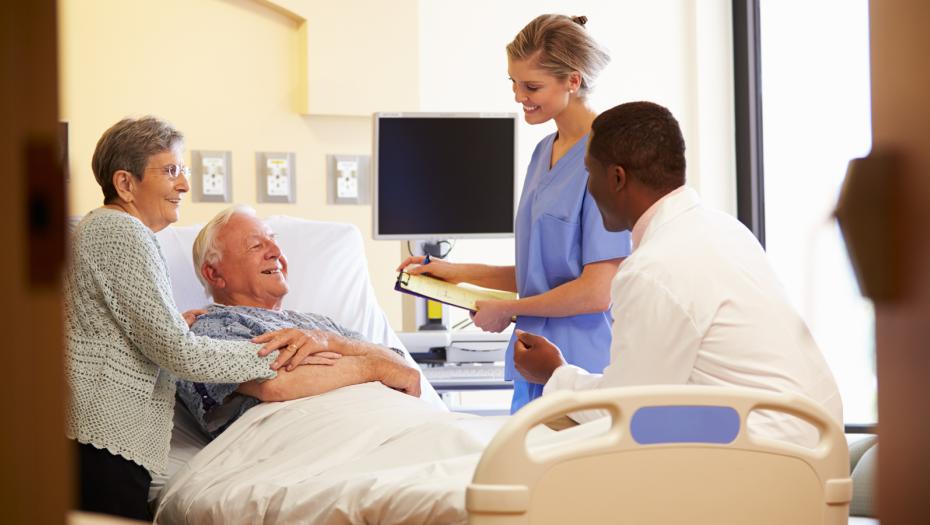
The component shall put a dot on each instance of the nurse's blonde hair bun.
(560, 45)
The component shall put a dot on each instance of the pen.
(426, 259)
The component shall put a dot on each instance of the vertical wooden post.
(36, 478)
(900, 41)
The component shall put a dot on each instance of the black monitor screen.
(444, 176)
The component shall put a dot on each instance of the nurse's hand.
(535, 357)
(493, 316)
(449, 272)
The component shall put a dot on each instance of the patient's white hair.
(207, 248)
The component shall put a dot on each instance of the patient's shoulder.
(223, 323)
(315, 321)
(238, 322)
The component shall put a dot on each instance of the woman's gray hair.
(559, 45)
(127, 145)
(207, 249)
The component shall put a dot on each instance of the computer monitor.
(444, 175)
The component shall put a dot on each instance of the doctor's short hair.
(207, 247)
(127, 145)
(645, 139)
(560, 44)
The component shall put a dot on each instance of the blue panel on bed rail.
(684, 424)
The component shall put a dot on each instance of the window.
(815, 102)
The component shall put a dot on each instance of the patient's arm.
(295, 344)
(306, 381)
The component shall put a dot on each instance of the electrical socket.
(276, 177)
(348, 180)
(211, 176)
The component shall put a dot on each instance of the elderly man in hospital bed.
(696, 302)
(365, 450)
(244, 270)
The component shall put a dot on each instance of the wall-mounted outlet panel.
(277, 180)
(211, 176)
(348, 179)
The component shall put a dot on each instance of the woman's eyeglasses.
(173, 171)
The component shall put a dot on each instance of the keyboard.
(447, 373)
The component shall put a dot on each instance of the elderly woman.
(125, 335)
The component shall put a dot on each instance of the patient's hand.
(397, 375)
(535, 357)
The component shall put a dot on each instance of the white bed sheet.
(360, 454)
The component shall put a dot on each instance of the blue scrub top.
(558, 231)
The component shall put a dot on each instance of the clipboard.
(459, 295)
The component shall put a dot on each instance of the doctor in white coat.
(696, 302)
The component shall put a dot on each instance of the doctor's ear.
(617, 177)
(124, 183)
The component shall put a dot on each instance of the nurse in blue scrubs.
(565, 259)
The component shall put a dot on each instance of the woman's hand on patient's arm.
(295, 346)
(307, 381)
(535, 357)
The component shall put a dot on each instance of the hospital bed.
(368, 454)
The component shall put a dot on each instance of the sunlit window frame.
(747, 76)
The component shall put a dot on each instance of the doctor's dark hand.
(493, 316)
(535, 357)
(449, 272)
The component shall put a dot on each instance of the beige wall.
(225, 73)
(677, 53)
(234, 74)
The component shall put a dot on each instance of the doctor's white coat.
(698, 303)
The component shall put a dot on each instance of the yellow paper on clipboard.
(461, 295)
